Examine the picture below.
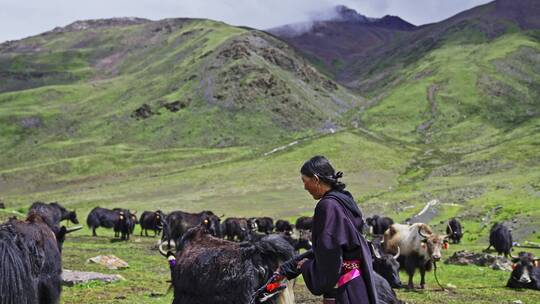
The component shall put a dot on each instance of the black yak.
(53, 213)
(179, 222)
(209, 270)
(501, 239)
(264, 224)
(526, 272)
(454, 231)
(152, 221)
(239, 228)
(119, 219)
(379, 224)
(284, 226)
(304, 223)
(385, 264)
(30, 261)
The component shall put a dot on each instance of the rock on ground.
(71, 277)
(464, 257)
(112, 262)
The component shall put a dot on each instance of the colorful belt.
(350, 270)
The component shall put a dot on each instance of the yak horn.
(161, 250)
(421, 234)
(375, 251)
(73, 229)
(451, 230)
(398, 253)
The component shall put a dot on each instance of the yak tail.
(92, 220)
(16, 282)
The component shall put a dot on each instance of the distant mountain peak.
(393, 22)
(347, 14)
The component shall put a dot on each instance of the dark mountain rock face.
(343, 38)
(352, 46)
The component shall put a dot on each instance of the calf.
(454, 231)
(526, 273)
(418, 246)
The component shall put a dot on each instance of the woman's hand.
(300, 263)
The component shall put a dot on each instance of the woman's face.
(313, 186)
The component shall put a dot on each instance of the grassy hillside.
(156, 85)
(194, 114)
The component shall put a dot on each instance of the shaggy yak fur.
(30, 261)
(500, 238)
(210, 270)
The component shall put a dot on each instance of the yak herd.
(215, 261)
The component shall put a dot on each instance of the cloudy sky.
(22, 18)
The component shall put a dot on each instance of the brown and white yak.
(418, 246)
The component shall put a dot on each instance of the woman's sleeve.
(322, 273)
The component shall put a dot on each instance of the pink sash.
(351, 274)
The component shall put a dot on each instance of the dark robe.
(336, 236)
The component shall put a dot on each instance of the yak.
(418, 246)
(501, 239)
(526, 272)
(118, 219)
(454, 231)
(264, 224)
(210, 270)
(30, 259)
(53, 213)
(379, 224)
(284, 226)
(384, 264)
(385, 293)
(179, 222)
(239, 228)
(152, 221)
(304, 223)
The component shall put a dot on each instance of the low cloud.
(21, 18)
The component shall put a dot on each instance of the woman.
(340, 267)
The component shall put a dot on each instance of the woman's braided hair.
(320, 166)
